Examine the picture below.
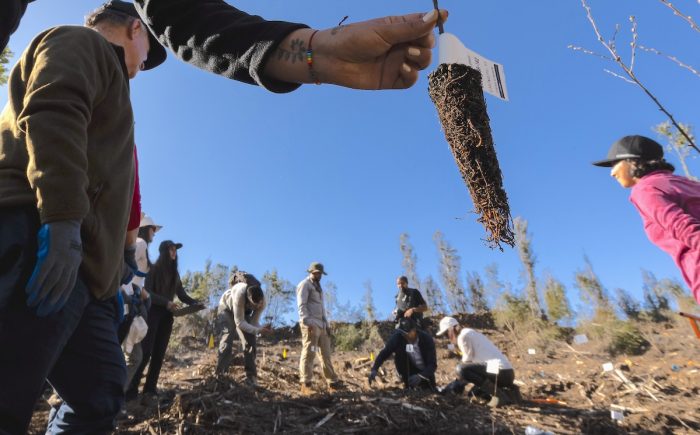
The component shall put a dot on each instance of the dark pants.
(405, 369)
(76, 349)
(154, 346)
(226, 325)
(484, 382)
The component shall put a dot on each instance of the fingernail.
(430, 16)
(413, 51)
(406, 67)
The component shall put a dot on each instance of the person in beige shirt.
(239, 310)
(314, 330)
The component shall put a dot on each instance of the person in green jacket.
(66, 186)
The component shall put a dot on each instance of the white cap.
(147, 221)
(447, 323)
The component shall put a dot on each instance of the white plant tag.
(493, 77)
(580, 339)
(608, 367)
(450, 347)
(616, 415)
(313, 349)
(531, 351)
(493, 366)
(409, 348)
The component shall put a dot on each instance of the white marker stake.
(531, 351)
(616, 415)
(493, 77)
(450, 347)
(493, 366)
(580, 339)
(608, 367)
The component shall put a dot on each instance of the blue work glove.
(372, 376)
(414, 380)
(58, 260)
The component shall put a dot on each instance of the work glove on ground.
(58, 260)
(372, 376)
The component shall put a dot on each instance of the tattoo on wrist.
(296, 51)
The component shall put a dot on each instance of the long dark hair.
(164, 271)
(641, 168)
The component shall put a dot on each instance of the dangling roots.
(456, 92)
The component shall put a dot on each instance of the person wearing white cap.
(137, 302)
(477, 352)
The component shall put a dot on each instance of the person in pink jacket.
(668, 204)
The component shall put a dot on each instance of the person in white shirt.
(136, 302)
(477, 353)
(239, 309)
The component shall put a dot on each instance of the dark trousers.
(76, 349)
(477, 375)
(154, 346)
(227, 327)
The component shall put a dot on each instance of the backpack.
(245, 277)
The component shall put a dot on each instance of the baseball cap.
(632, 147)
(316, 267)
(406, 325)
(156, 53)
(446, 323)
(166, 244)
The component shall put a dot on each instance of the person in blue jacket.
(414, 356)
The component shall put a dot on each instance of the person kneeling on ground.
(239, 310)
(414, 356)
(476, 351)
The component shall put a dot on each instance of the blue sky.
(243, 176)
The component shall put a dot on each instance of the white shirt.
(416, 357)
(234, 300)
(142, 263)
(476, 348)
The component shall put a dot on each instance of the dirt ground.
(564, 386)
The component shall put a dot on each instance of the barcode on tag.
(608, 367)
(531, 351)
(409, 348)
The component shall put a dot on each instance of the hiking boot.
(149, 399)
(335, 385)
(454, 387)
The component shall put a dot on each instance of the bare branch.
(671, 58)
(633, 44)
(614, 74)
(687, 18)
(632, 77)
(613, 40)
(587, 51)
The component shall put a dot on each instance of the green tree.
(592, 291)
(433, 295)
(279, 295)
(628, 305)
(450, 271)
(678, 143)
(655, 300)
(684, 301)
(409, 261)
(207, 285)
(527, 257)
(368, 301)
(558, 307)
(4, 60)
(330, 299)
(477, 292)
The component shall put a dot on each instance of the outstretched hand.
(384, 53)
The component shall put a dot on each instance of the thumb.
(406, 28)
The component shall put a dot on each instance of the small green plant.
(357, 336)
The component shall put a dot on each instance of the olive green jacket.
(67, 144)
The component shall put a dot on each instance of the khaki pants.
(314, 340)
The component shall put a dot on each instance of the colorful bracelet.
(310, 60)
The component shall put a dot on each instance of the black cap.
(632, 147)
(166, 244)
(406, 325)
(156, 53)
